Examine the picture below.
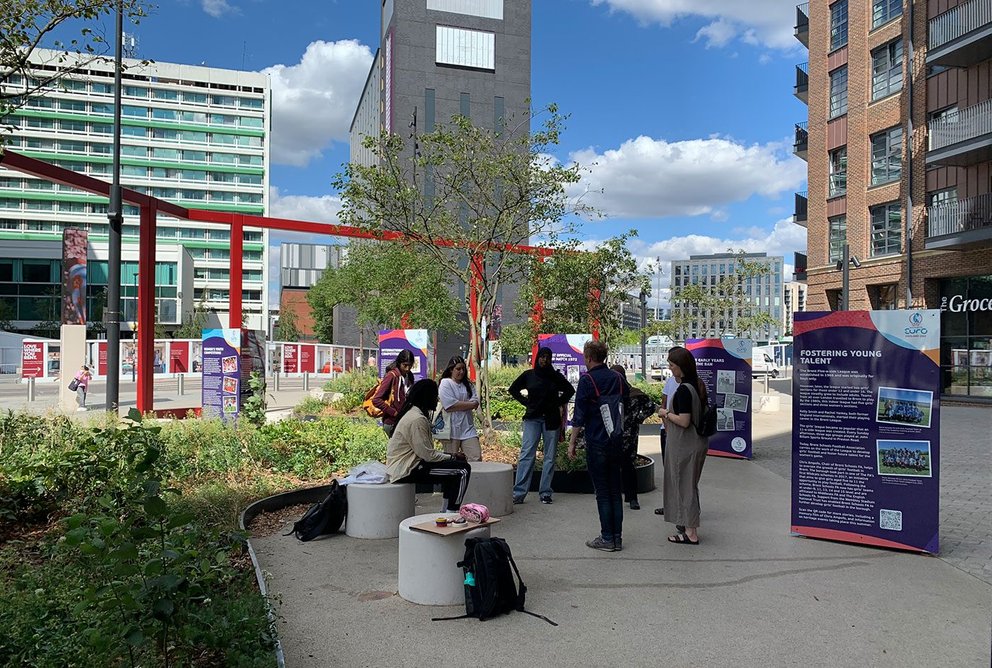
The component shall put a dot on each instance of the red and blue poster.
(221, 396)
(724, 365)
(392, 341)
(866, 428)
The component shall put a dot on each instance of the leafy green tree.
(712, 309)
(70, 27)
(193, 324)
(6, 315)
(286, 328)
(482, 191)
(579, 286)
(388, 284)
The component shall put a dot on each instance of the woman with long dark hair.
(391, 395)
(636, 410)
(459, 401)
(547, 392)
(410, 454)
(685, 450)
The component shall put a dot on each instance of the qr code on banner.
(890, 519)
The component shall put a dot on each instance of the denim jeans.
(604, 469)
(533, 432)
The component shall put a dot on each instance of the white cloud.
(314, 100)
(783, 240)
(217, 8)
(650, 178)
(322, 209)
(766, 22)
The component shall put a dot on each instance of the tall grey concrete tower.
(439, 58)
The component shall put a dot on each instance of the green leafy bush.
(319, 448)
(309, 406)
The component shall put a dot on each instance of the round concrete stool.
(491, 484)
(375, 511)
(427, 573)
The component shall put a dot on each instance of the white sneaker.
(81, 409)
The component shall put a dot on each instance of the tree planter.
(579, 482)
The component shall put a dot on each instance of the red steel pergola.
(149, 208)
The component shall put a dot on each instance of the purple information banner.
(417, 341)
(566, 357)
(866, 428)
(221, 373)
(724, 365)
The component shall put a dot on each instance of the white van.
(762, 364)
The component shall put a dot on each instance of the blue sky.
(682, 109)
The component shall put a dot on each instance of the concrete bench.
(375, 511)
(491, 484)
(427, 571)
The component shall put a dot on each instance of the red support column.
(235, 273)
(146, 308)
(594, 295)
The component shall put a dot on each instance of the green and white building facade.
(194, 136)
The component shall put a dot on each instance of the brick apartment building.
(899, 146)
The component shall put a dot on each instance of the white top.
(462, 422)
(669, 391)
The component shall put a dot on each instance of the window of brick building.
(886, 229)
(833, 299)
(883, 11)
(838, 172)
(838, 24)
(838, 92)
(883, 297)
(886, 70)
(838, 237)
(886, 156)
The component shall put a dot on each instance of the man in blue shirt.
(600, 386)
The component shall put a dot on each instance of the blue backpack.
(611, 411)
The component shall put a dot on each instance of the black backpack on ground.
(490, 589)
(324, 517)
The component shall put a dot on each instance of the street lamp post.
(644, 335)
(844, 265)
(115, 216)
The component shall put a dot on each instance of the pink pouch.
(474, 512)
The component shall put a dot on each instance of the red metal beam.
(146, 307)
(235, 273)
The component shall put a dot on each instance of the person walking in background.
(686, 449)
(410, 453)
(601, 393)
(666, 403)
(459, 400)
(391, 395)
(637, 409)
(82, 381)
(544, 392)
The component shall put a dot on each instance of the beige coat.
(410, 444)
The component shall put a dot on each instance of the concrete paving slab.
(749, 594)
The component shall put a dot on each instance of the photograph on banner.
(392, 341)
(74, 245)
(866, 427)
(221, 352)
(158, 357)
(724, 365)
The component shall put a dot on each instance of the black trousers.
(452, 475)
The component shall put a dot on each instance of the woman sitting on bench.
(411, 457)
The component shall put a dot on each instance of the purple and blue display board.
(724, 365)
(230, 356)
(417, 341)
(566, 357)
(221, 395)
(866, 427)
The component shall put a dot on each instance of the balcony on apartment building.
(802, 204)
(959, 223)
(961, 36)
(802, 23)
(962, 137)
(801, 144)
(801, 89)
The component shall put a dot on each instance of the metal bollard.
(31, 388)
(181, 386)
(766, 382)
(306, 381)
(275, 381)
